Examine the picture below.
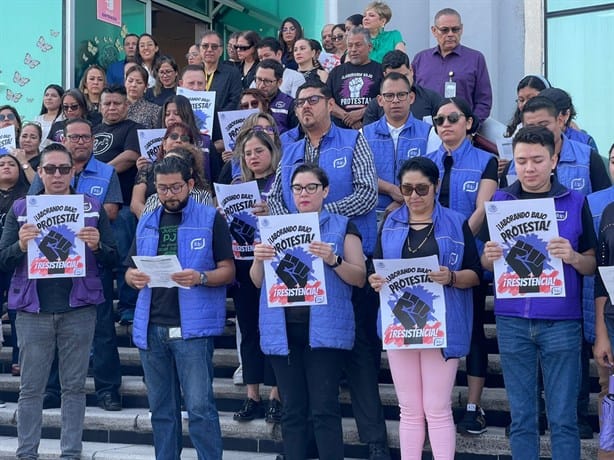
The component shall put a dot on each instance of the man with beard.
(174, 328)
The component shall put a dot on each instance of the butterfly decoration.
(29, 100)
(54, 33)
(30, 62)
(44, 46)
(124, 31)
(11, 96)
(84, 57)
(91, 48)
(21, 81)
(118, 45)
(96, 40)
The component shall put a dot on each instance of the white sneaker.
(237, 377)
(3, 404)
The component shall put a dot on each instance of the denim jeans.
(556, 345)
(39, 336)
(174, 367)
(124, 228)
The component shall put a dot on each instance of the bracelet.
(452, 279)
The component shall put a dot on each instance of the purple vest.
(568, 205)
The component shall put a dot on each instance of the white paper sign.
(294, 277)
(607, 276)
(413, 308)
(231, 123)
(203, 105)
(237, 201)
(7, 139)
(150, 141)
(56, 252)
(159, 269)
(523, 228)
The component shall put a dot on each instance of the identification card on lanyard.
(449, 89)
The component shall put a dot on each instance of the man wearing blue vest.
(100, 181)
(538, 331)
(174, 328)
(396, 137)
(347, 159)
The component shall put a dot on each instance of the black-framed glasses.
(242, 47)
(174, 188)
(264, 81)
(420, 189)
(401, 96)
(447, 30)
(311, 100)
(191, 55)
(338, 37)
(266, 129)
(254, 104)
(70, 107)
(451, 117)
(51, 169)
(167, 72)
(8, 117)
(79, 137)
(213, 46)
(312, 188)
(181, 137)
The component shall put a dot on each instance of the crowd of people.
(384, 149)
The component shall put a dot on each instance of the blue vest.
(290, 136)
(202, 309)
(580, 136)
(597, 202)
(95, 178)
(330, 325)
(336, 156)
(568, 205)
(411, 143)
(281, 106)
(573, 168)
(85, 290)
(465, 176)
(451, 243)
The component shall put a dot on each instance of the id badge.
(174, 332)
(449, 89)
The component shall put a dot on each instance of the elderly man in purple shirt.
(451, 69)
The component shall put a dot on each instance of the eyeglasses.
(70, 107)
(79, 137)
(264, 81)
(174, 189)
(243, 47)
(168, 72)
(338, 38)
(254, 104)
(311, 100)
(52, 169)
(420, 189)
(268, 129)
(289, 29)
(191, 55)
(181, 137)
(310, 188)
(452, 118)
(212, 46)
(401, 96)
(447, 30)
(9, 117)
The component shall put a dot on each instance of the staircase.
(128, 435)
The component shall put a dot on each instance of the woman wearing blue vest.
(468, 178)
(308, 345)
(423, 379)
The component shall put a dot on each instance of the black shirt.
(490, 172)
(425, 104)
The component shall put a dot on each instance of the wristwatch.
(203, 278)
(25, 166)
(338, 261)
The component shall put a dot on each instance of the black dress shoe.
(110, 402)
(51, 401)
(273, 412)
(251, 409)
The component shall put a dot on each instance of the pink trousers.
(423, 381)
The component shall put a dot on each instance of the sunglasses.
(447, 30)
(9, 117)
(213, 46)
(251, 104)
(181, 137)
(338, 38)
(51, 169)
(70, 107)
(268, 129)
(311, 100)
(452, 118)
(420, 189)
(242, 47)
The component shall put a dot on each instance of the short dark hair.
(55, 147)
(538, 103)
(278, 69)
(465, 109)
(396, 76)
(447, 12)
(269, 42)
(324, 90)
(313, 169)
(140, 70)
(395, 59)
(173, 165)
(423, 165)
(114, 89)
(536, 135)
(208, 33)
(355, 19)
(130, 35)
(191, 68)
(72, 121)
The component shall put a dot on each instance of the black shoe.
(273, 412)
(51, 401)
(126, 317)
(543, 425)
(251, 409)
(109, 401)
(585, 428)
(473, 423)
(2, 403)
(379, 451)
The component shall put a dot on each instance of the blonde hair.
(246, 173)
(381, 8)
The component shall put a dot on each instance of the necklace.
(428, 235)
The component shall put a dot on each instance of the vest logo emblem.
(87, 206)
(96, 190)
(561, 215)
(413, 152)
(470, 186)
(340, 162)
(453, 258)
(577, 183)
(197, 243)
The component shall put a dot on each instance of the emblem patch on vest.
(577, 183)
(96, 190)
(561, 215)
(340, 162)
(197, 243)
(470, 186)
